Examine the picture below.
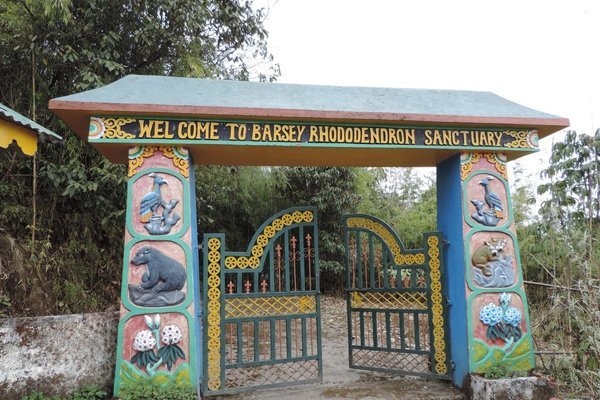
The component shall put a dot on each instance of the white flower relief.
(144, 340)
(171, 334)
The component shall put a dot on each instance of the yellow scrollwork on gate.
(270, 231)
(386, 235)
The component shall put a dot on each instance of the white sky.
(541, 54)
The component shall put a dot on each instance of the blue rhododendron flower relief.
(502, 321)
(490, 314)
(512, 316)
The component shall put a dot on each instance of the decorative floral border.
(179, 155)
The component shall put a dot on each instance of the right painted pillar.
(488, 312)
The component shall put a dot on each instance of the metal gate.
(396, 301)
(262, 325)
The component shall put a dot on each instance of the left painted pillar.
(158, 330)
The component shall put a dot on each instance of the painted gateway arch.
(173, 330)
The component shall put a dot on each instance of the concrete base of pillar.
(527, 388)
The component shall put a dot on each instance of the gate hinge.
(452, 365)
(445, 242)
(449, 302)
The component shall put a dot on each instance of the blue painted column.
(450, 223)
(488, 315)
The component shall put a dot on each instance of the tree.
(333, 192)
(50, 49)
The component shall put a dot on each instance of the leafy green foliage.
(84, 393)
(88, 393)
(560, 248)
(51, 49)
(333, 192)
(40, 396)
(145, 391)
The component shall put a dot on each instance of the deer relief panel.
(493, 260)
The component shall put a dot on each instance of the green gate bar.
(262, 324)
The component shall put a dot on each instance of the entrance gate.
(396, 302)
(262, 320)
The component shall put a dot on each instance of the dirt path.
(341, 382)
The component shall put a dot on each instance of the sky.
(541, 54)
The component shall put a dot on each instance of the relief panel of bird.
(155, 212)
(489, 204)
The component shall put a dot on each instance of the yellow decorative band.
(269, 306)
(389, 300)
(214, 314)
(386, 235)
(439, 343)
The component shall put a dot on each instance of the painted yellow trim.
(25, 138)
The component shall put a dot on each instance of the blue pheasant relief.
(152, 200)
(150, 205)
(491, 198)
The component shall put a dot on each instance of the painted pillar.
(489, 316)
(158, 331)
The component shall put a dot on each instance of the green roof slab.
(140, 96)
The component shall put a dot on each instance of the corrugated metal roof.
(172, 91)
(43, 133)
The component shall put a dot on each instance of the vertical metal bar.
(271, 269)
(304, 336)
(388, 336)
(366, 257)
(386, 266)
(374, 323)
(231, 347)
(351, 327)
(279, 337)
(272, 334)
(402, 336)
(417, 336)
(288, 337)
(256, 341)
(362, 328)
(378, 263)
(293, 253)
(239, 287)
(371, 262)
(359, 261)
(240, 341)
(256, 282)
(286, 259)
(301, 252)
(309, 252)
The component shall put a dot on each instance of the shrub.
(145, 391)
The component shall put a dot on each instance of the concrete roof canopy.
(172, 97)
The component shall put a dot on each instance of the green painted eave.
(43, 134)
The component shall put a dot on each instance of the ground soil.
(341, 382)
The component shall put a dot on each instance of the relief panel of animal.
(491, 250)
(163, 273)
